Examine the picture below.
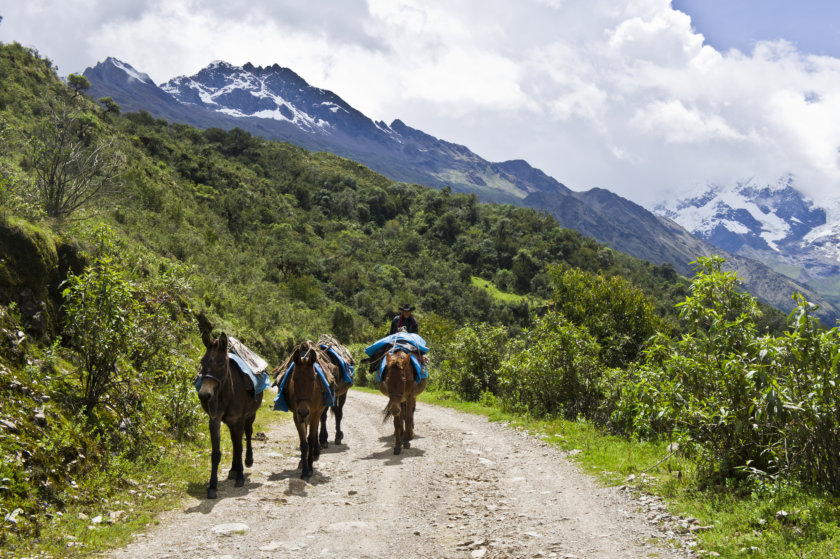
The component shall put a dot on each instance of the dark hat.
(406, 308)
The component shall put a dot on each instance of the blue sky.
(647, 98)
(811, 25)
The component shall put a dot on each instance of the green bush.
(808, 369)
(472, 359)
(556, 373)
(746, 405)
(100, 311)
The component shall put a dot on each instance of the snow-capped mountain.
(773, 223)
(275, 103)
(273, 92)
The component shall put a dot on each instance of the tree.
(78, 83)
(72, 164)
(110, 105)
(614, 311)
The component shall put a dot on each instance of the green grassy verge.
(115, 509)
(768, 521)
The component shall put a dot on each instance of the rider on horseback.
(404, 322)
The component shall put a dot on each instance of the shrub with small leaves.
(557, 372)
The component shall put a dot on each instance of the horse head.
(214, 367)
(304, 379)
(397, 378)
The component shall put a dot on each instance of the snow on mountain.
(826, 237)
(775, 223)
(130, 71)
(253, 91)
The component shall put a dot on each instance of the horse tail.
(386, 413)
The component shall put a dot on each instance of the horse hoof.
(397, 450)
(249, 462)
(406, 444)
(211, 493)
(324, 445)
(339, 437)
(239, 482)
(233, 474)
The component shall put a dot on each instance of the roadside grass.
(770, 520)
(129, 497)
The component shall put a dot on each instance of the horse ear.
(205, 337)
(223, 341)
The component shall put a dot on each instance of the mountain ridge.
(276, 103)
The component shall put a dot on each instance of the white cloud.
(621, 95)
(676, 123)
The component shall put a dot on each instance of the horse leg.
(215, 457)
(405, 423)
(398, 425)
(309, 447)
(315, 448)
(249, 451)
(338, 412)
(305, 463)
(323, 436)
(410, 406)
(237, 472)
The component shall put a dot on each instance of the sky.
(651, 99)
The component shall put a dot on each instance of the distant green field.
(497, 293)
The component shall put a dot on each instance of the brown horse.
(227, 395)
(308, 397)
(399, 384)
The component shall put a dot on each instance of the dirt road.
(465, 488)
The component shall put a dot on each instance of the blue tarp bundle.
(280, 403)
(348, 372)
(259, 380)
(400, 338)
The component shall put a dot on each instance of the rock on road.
(466, 488)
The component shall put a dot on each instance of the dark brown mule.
(399, 384)
(227, 395)
(342, 386)
(308, 398)
(338, 413)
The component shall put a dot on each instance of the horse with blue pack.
(401, 374)
(306, 386)
(345, 365)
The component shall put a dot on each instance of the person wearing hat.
(404, 322)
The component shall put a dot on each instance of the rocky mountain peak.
(773, 222)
